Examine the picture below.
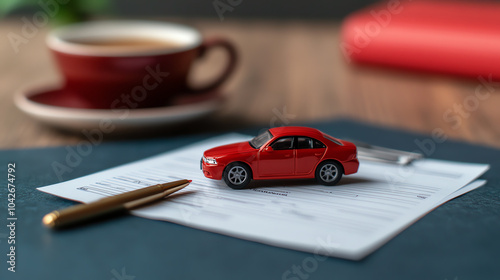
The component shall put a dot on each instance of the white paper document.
(349, 220)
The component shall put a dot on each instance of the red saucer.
(62, 98)
(56, 107)
(59, 98)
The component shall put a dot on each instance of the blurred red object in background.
(450, 37)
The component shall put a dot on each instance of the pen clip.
(152, 198)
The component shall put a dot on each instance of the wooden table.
(290, 72)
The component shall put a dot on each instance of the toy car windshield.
(260, 139)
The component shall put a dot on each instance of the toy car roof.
(295, 131)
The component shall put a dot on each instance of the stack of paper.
(349, 220)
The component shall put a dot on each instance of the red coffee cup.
(132, 64)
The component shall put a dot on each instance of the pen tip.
(190, 181)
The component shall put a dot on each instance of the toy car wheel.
(329, 173)
(237, 175)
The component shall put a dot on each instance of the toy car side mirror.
(268, 149)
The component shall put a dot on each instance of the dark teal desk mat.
(459, 240)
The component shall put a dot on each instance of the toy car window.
(317, 144)
(260, 139)
(333, 140)
(284, 143)
(304, 143)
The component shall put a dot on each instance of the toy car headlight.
(210, 160)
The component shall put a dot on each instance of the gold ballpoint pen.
(108, 205)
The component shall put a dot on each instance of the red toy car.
(282, 153)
